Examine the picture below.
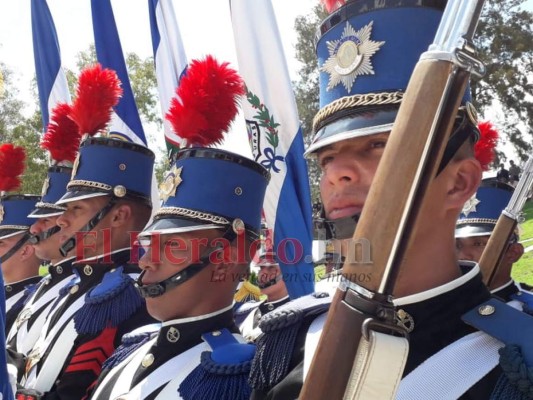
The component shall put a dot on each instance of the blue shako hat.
(481, 212)
(54, 187)
(209, 188)
(14, 210)
(366, 53)
(107, 166)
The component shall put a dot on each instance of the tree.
(306, 88)
(505, 42)
(16, 129)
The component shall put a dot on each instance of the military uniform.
(91, 314)
(366, 54)
(30, 320)
(196, 356)
(14, 221)
(16, 295)
(423, 315)
(478, 219)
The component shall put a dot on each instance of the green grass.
(523, 268)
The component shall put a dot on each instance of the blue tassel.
(273, 357)
(275, 347)
(213, 381)
(516, 382)
(30, 290)
(108, 304)
(128, 346)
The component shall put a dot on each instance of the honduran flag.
(51, 80)
(276, 139)
(5, 388)
(126, 122)
(169, 58)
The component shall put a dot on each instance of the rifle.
(358, 312)
(492, 256)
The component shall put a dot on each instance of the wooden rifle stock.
(492, 256)
(417, 135)
(496, 247)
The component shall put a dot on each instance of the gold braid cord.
(15, 227)
(185, 212)
(358, 100)
(477, 221)
(90, 184)
(49, 205)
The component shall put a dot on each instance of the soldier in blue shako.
(107, 200)
(366, 54)
(19, 263)
(270, 282)
(197, 251)
(472, 232)
(62, 141)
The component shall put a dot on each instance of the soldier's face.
(348, 168)
(471, 248)
(47, 249)
(6, 245)
(166, 255)
(76, 216)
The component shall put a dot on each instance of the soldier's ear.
(514, 252)
(464, 179)
(121, 214)
(27, 251)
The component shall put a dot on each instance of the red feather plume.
(206, 102)
(484, 148)
(332, 5)
(62, 139)
(11, 166)
(97, 93)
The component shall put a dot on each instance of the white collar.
(193, 319)
(447, 287)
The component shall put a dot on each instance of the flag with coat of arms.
(276, 139)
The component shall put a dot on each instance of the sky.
(205, 27)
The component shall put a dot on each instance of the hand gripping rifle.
(360, 321)
(494, 252)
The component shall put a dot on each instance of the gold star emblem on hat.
(170, 183)
(470, 205)
(349, 56)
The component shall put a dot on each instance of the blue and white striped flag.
(276, 139)
(5, 389)
(51, 79)
(126, 122)
(169, 57)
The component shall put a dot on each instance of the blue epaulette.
(280, 329)
(526, 298)
(242, 310)
(28, 290)
(515, 329)
(131, 341)
(223, 372)
(108, 304)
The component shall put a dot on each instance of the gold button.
(74, 289)
(147, 360)
(88, 270)
(486, 309)
(119, 191)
